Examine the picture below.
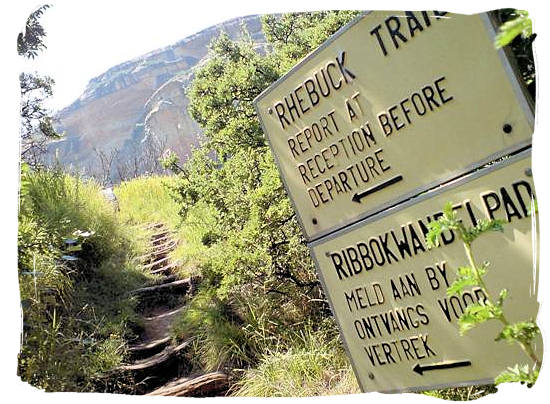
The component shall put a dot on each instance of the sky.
(85, 38)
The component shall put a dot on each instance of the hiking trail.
(157, 364)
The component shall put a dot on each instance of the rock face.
(139, 101)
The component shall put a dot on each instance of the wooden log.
(155, 264)
(149, 348)
(157, 361)
(207, 385)
(166, 268)
(163, 279)
(180, 284)
(153, 226)
(159, 250)
(154, 247)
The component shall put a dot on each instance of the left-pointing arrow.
(358, 196)
(420, 369)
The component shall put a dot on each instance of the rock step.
(180, 284)
(207, 385)
(157, 361)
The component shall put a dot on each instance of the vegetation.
(515, 32)
(258, 278)
(313, 364)
(147, 199)
(36, 122)
(259, 312)
(522, 332)
(75, 271)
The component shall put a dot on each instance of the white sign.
(388, 290)
(393, 104)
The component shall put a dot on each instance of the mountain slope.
(139, 107)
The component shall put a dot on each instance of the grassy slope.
(148, 200)
(77, 313)
(308, 364)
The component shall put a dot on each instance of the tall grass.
(314, 364)
(146, 200)
(219, 339)
(75, 272)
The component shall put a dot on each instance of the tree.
(36, 121)
(30, 42)
(255, 261)
(516, 32)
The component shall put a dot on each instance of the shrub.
(313, 364)
(74, 275)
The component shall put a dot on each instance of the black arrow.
(441, 365)
(358, 196)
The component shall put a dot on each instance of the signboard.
(392, 105)
(388, 291)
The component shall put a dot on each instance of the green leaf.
(501, 296)
(465, 277)
(476, 314)
(508, 31)
(483, 226)
(523, 332)
(434, 231)
(448, 211)
(521, 374)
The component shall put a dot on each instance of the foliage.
(36, 122)
(313, 363)
(30, 42)
(463, 393)
(74, 275)
(522, 332)
(520, 25)
(147, 200)
(240, 226)
(515, 32)
(219, 338)
(518, 374)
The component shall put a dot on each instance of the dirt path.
(158, 365)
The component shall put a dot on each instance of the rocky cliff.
(140, 102)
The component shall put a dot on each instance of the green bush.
(241, 233)
(313, 364)
(74, 274)
(147, 200)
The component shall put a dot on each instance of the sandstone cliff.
(139, 101)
